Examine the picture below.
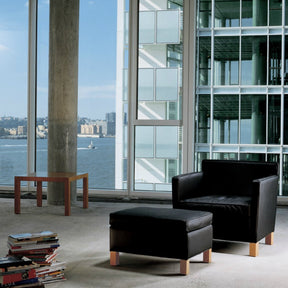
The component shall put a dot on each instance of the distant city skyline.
(97, 58)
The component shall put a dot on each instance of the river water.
(98, 162)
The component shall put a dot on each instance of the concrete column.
(259, 61)
(259, 13)
(63, 94)
(222, 73)
(204, 16)
(222, 131)
(258, 120)
(203, 126)
(204, 64)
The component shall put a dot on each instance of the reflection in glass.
(275, 60)
(227, 13)
(285, 175)
(286, 60)
(167, 84)
(157, 152)
(204, 61)
(146, 27)
(226, 61)
(168, 27)
(225, 156)
(274, 115)
(226, 114)
(275, 13)
(167, 142)
(252, 157)
(253, 60)
(145, 84)
(251, 15)
(286, 12)
(246, 19)
(160, 85)
(205, 14)
(144, 141)
(203, 118)
(199, 156)
(285, 140)
(253, 119)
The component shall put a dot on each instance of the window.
(159, 97)
(13, 89)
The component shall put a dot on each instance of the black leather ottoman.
(162, 232)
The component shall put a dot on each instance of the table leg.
(67, 198)
(17, 195)
(39, 193)
(85, 192)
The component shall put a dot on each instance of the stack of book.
(18, 272)
(41, 248)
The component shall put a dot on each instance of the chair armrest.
(264, 202)
(186, 186)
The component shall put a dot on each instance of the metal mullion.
(157, 122)
(132, 91)
(189, 81)
(212, 79)
(32, 88)
(282, 102)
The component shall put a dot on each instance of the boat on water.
(91, 145)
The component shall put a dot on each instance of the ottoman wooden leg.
(114, 258)
(254, 249)
(184, 267)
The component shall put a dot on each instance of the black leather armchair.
(242, 196)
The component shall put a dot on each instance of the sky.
(97, 58)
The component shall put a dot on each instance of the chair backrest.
(232, 177)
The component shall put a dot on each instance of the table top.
(51, 175)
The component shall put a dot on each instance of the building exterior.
(22, 130)
(111, 123)
(156, 100)
(241, 86)
(91, 129)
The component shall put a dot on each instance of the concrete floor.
(84, 240)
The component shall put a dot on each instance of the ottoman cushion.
(176, 220)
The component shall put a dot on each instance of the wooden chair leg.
(114, 258)
(269, 239)
(254, 249)
(184, 267)
(207, 256)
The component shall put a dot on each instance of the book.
(55, 266)
(27, 253)
(27, 285)
(42, 249)
(15, 277)
(39, 236)
(33, 246)
(14, 261)
(52, 273)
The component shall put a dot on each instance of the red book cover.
(14, 277)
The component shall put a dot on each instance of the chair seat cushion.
(219, 203)
(141, 218)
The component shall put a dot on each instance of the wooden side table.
(66, 178)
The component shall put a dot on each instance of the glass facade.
(159, 95)
(237, 84)
(13, 90)
(241, 56)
